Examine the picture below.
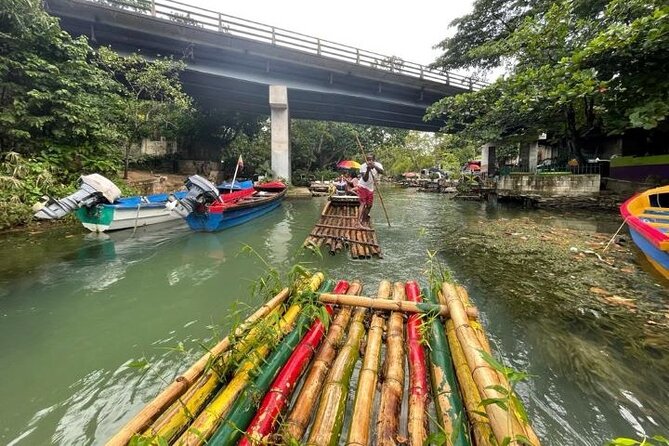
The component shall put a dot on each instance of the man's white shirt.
(369, 184)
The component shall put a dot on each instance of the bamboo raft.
(284, 376)
(337, 231)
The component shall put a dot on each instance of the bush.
(23, 182)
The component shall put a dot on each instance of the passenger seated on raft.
(340, 185)
(351, 184)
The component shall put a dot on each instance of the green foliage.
(230, 135)
(22, 183)
(579, 69)
(509, 400)
(53, 94)
(657, 440)
(151, 101)
(316, 147)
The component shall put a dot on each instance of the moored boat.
(206, 210)
(256, 389)
(128, 212)
(99, 206)
(647, 215)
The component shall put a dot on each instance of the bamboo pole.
(244, 407)
(364, 397)
(481, 430)
(329, 418)
(181, 384)
(448, 404)
(209, 419)
(485, 345)
(503, 423)
(387, 425)
(265, 419)
(418, 387)
(390, 305)
(297, 421)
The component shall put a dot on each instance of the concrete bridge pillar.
(280, 122)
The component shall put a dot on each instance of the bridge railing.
(195, 16)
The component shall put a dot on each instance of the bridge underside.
(233, 73)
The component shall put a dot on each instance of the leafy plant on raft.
(509, 401)
(656, 440)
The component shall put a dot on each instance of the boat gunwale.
(658, 238)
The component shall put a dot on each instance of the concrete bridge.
(231, 62)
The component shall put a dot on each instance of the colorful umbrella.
(348, 164)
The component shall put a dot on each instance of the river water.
(92, 326)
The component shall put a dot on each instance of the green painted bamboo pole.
(450, 412)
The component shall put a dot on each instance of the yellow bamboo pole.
(390, 305)
(485, 344)
(471, 397)
(300, 415)
(364, 397)
(504, 423)
(184, 381)
(387, 425)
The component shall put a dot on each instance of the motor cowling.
(200, 192)
(94, 189)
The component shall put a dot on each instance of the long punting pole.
(418, 387)
(387, 425)
(505, 424)
(448, 404)
(391, 305)
(364, 157)
(264, 422)
(300, 415)
(181, 384)
(241, 413)
(364, 397)
(211, 416)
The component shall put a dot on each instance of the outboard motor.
(200, 191)
(94, 189)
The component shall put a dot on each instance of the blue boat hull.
(659, 259)
(220, 221)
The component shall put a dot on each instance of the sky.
(392, 28)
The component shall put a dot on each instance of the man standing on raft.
(368, 171)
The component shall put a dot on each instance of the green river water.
(77, 309)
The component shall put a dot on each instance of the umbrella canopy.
(348, 164)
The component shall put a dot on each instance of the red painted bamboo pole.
(418, 386)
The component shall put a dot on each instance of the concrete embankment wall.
(557, 185)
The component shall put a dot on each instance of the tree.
(580, 69)
(56, 103)
(152, 101)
